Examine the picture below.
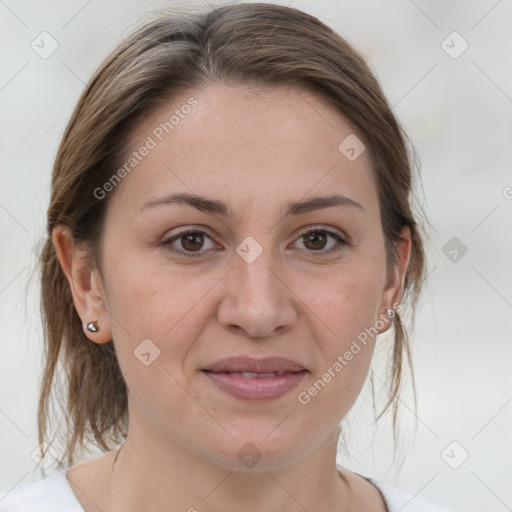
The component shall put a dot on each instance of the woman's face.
(247, 282)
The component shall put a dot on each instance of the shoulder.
(50, 494)
(399, 500)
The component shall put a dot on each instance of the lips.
(255, 379)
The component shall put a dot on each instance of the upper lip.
(249, 364)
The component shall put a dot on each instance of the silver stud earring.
(391, 313)
(93, 326)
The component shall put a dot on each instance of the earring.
(93, 326)
(391, 315)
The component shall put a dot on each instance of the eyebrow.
(216, 207)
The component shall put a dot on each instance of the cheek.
(153, 302)
(153, 323)
(350, 301)
(347, 308)
(346, 346)
(150, 298)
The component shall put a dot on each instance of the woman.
(229, 230)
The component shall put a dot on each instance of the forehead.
(243, 144)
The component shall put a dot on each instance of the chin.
(256, 453)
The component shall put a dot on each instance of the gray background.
(456, 111)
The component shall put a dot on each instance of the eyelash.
(341, 243)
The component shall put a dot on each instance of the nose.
(257, 298)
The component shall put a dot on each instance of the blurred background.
(445, 67)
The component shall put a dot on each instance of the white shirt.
(54, 494)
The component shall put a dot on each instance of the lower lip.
(256, 388)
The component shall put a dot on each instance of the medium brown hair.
(251, 43)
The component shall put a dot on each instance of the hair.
(257, 44)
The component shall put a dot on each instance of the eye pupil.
(314, 236)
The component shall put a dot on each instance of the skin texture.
(256, 150)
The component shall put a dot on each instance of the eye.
(191, 242)
(315, 240)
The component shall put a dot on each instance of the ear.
(85, 283)
(392, 294)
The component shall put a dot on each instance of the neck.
(149, 474)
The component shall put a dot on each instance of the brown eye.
(190, 243)
(315, 240)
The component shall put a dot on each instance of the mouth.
(255, 385)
